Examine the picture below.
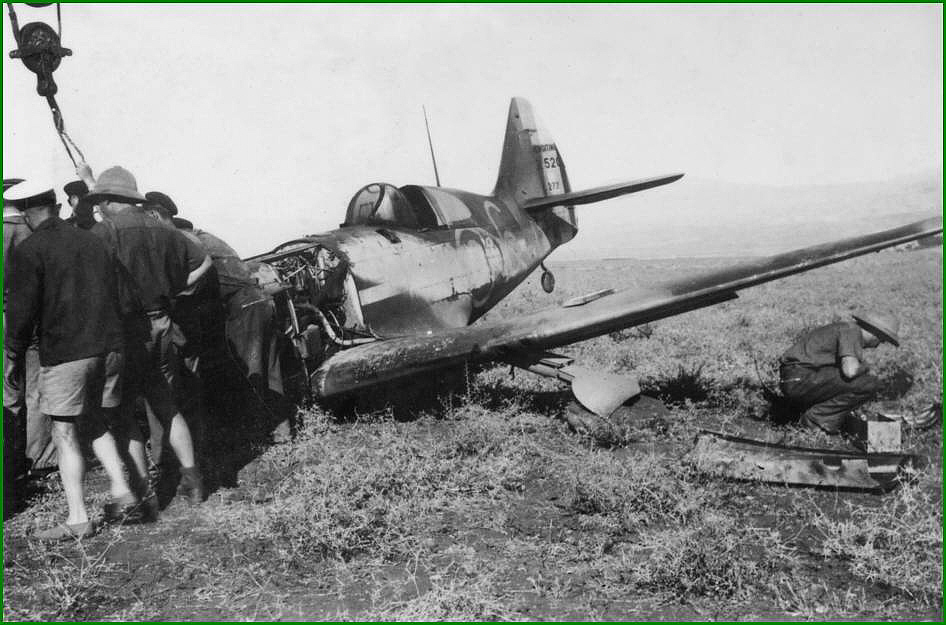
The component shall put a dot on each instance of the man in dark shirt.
(824, 374)
(15, 455)
(81, 211)
(251, 340)
(198, 313)
(156, 264)
(251, 333)
(28, 440)
(198, 309)
(65, 286)
(251, 330)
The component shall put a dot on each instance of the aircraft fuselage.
(415, 281)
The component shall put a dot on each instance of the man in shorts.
(66, 287)
(156, 264)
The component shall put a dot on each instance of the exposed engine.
(316, 299)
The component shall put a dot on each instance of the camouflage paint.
(424, 281)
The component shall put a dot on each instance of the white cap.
(29, 193)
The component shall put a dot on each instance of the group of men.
(102, 310)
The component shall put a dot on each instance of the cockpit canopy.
(380, 204)
(411, 207)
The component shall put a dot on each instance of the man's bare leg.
(71, 469)
(131, 440)
(106, 451)
(192, 481)
(179, 437)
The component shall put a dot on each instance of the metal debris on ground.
(922, 420)
(873, 432)
(739, 458)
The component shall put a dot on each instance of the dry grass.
(898, 543)
(635, 491)
(486, 507)
(713, 557)
(67, 583)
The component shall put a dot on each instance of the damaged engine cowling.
(316, 300)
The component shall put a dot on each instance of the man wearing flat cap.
(248, 333)
(81, 216)
(160, 201)
(157, 263)
(65, 286)
(197, 312)
(824, 374)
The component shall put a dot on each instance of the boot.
(147, 491)
(192, 485)
(126, 509)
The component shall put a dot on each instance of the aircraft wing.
(587, 317)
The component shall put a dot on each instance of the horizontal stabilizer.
(598, 194)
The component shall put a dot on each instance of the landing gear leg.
(548, 280)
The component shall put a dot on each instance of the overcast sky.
(263, 120)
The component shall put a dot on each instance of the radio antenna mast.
(431, 144)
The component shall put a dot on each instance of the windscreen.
(380, 204)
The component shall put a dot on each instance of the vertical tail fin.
(531, 168)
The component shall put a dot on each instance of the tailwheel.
(548, 279)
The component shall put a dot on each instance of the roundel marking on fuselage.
(474, 239)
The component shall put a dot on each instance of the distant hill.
(696, 217)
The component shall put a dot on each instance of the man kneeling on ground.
(824, 374)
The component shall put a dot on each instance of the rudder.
(531, 167)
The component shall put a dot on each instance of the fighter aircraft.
(397, 288)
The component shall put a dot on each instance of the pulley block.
(41, 52)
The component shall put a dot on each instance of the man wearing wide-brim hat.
(157, 263)
(824, 374)
(115, 184)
